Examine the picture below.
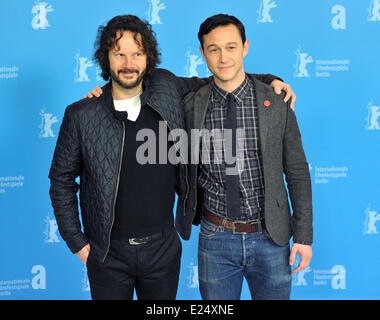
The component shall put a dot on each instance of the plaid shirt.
(212, 173)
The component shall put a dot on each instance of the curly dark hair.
(107, 39)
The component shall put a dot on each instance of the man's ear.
(201, 50)
(245, 47)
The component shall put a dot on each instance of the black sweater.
(146, 192)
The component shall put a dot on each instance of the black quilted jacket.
(89, 146)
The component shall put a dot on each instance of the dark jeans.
(152, 269)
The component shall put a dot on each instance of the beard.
(124, 85)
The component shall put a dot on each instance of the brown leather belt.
(236, 226)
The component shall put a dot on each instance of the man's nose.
(128, 63)
(223, 56)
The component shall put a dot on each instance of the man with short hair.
(244, 213)
(128, 240)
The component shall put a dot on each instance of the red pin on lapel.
(266, 103)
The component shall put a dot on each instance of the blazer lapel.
(264, 101)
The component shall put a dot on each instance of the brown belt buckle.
(234, 227)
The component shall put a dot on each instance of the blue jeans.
(224, 258)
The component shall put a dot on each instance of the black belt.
(237, 226)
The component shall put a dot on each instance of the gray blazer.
(282, 153)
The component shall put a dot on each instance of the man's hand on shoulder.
(96, 92)
(279, 86)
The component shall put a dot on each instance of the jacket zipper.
(187, 183)
(116, 191)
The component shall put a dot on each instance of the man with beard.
(128, 241)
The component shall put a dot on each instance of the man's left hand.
(279, 86)
(305, 252)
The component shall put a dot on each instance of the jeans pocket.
(208, 229)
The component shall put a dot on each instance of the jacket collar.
(108, 99)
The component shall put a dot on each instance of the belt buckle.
(234, 227)
(137, 241)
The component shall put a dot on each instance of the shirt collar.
(239, 93)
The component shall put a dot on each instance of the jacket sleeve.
(298, 180)
(65, 168)
(187, 85)
(266, 78)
